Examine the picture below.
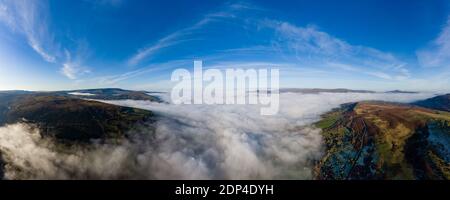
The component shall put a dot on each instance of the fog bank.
(191, 142)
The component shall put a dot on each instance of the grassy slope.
(384, 141)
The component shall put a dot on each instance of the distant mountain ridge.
(110, 94)
(401, 92)
(337, 90)
(441, 102)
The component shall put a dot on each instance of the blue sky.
(136, 44)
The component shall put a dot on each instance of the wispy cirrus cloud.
(113, 79)
(308, 45)
(73, 67)
(274, 42)
(29, 19)
(188, 33)
(153, 68)
(437, 53)
(304, 46)
(73, 70)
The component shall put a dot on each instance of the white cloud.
(437, 54)
(29, 156)
(153, 68)
(39, 49)
(308, 45)
(81, 94)
(178, 36)
(29, 19)
(148, 51)
(69, 71)
(235, 142)
(300, 46)
(191, 142)
(72, 71)
(72, 67)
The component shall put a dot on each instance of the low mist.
(190, 142)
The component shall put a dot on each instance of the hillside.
(376, 140)
(439, 103)
(70, 119)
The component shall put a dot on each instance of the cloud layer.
(191, 142)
